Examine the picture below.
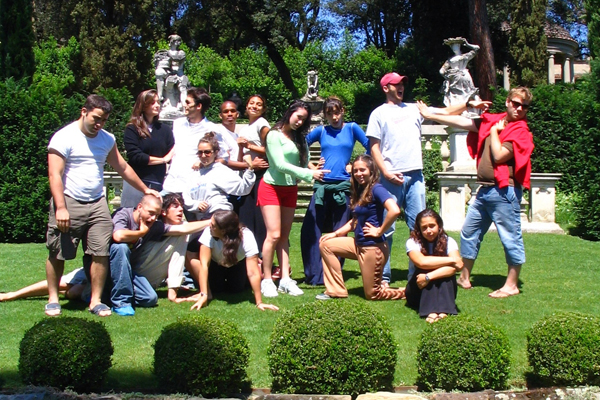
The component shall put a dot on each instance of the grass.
(560, 275)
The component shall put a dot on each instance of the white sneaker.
(289, 286)
(268, 288)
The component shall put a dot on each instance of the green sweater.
(284, 161)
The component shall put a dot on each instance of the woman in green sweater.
(287, 153)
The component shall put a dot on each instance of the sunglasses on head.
(204, 152)
(517, 104)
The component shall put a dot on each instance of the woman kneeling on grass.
(228, 260)
(368, 201)
(432, 286)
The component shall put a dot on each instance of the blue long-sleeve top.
(336, 147)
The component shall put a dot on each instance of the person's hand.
(152, 192)
(318, 174)
(457, 263)
(259, 163)
(424, 109)
(196, 166)
(499, 126)
(321, 163)
(144, 228)
(203, 206)
(167, 159)
(63, 220)
(328, 236)
(242, 142)
(265, 306)
(480, 104)
(200, 303)
(422, 281)
(396, 179)
(371, 231)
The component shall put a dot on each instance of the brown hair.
(331, 104)
(200, 96)
(229, 222)
(298, 136)
(97, 101)
(262, 98)
(361, 196)
(522, 92)
(211, 138)
(440, 247)
(137, 120)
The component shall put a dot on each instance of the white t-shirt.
(411, 245)
(398, 127)
(83, 177)
(228, 144)
(248, 248)
(252, 134)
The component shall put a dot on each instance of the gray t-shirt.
(123, 219)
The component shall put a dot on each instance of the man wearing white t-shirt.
(76, 157)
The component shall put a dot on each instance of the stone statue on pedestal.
(458, 85)
(171, 83)
(312, 98)
(312, 90)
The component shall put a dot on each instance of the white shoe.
(268, 288)
(289, 286)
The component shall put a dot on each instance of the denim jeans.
(502, 207)
(410, 197)
(128, 288)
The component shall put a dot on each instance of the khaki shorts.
(90, 223)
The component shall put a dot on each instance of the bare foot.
(503, 293)
(431, 318)
(464, 283)
(442, 315)
(4, 297)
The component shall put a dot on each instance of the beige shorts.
(90, 223)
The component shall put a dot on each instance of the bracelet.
(426, 278)
(202, 294)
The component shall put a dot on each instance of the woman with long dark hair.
(431, 286)
(287, 153)
(149, 144)
(228, 260)
(368, 201)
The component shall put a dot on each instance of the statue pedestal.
(460, 160)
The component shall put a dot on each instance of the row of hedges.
(336, 347)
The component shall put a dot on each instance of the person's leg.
(283, 245)
(96, 242)
(122, 294)
(332, 270)
(477, 223)
(310, 233)
(397, 192)
(144, 293)
(371, 260)
(414, 200)
(272, 216)
(54, 271)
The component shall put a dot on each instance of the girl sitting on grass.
(431, 288)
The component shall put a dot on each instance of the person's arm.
(360, 136)
(253, 271)
(396, 179)
(343, 231)
(393, 212)
(56, 169)
(186, 229)
(115, 160)
(204, 256)
(135, 154)
(231, 183)
(441, 272)
(277, 160)
(455, 121)
(129, 236)
(431, 263)
(500, 153)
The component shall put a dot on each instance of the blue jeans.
(410, 196)
(502, 207)
(128, 288)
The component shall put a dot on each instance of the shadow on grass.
(492, 282)
(125, 380)
(10, 379)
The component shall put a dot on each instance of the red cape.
(516, 132)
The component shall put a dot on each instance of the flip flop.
(501, 294)
(52, 309)
(98, 308)
(430, 319)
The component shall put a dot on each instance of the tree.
(16, 39)
(384, 24)
(484, 61)
(528, 42)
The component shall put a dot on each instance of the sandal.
(52, 309)
(99, 308)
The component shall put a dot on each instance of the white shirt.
(252, 134)
(248, 248)
(411, 245)
(83, 177)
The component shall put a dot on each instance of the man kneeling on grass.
(146, 251)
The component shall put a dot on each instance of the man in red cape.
(502, 145)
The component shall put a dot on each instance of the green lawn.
(560, 275)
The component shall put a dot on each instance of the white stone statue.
(171, 83)
(458, 87)
(312, 91)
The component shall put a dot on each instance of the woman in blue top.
(368, 202)
(328, 209)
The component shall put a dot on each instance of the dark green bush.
(332, 347)
(564, 349)
(200, 355)
(66, 353)
(463, 353)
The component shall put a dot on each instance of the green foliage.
(463, 353)
(564, 349)
(432, 164)
(202, 356)
(66, 353)
(122, 102)
(332, 347)
(54, 64)
(528, 42)
(16, 39)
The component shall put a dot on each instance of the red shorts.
(272, 195)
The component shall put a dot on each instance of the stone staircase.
(305, 190)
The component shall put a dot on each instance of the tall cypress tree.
(527, 42)
(592, 16)
(16, 39)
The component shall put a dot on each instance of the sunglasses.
(516, 104)
(204, 152)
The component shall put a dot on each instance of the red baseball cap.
(392, 78)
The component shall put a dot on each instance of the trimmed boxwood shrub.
(66, 353)
(564, 349)
(463, 353)
(202, 356)
(332, 347)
